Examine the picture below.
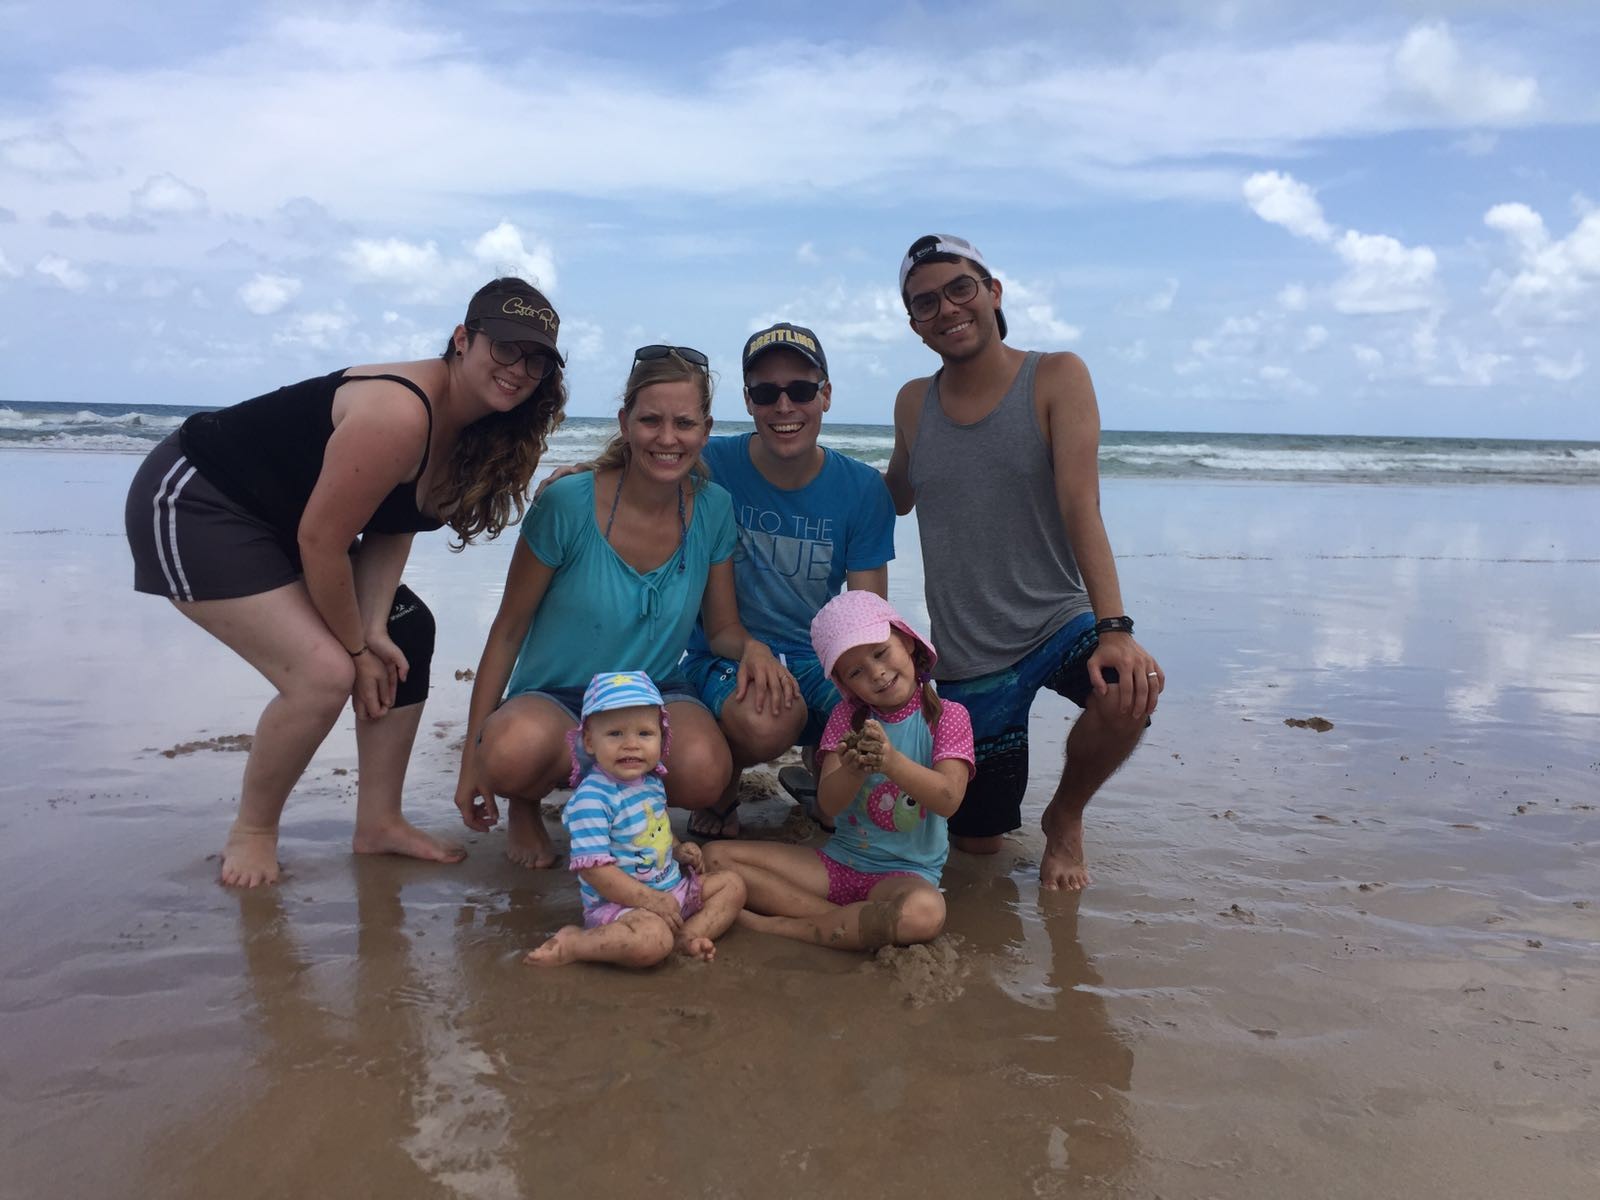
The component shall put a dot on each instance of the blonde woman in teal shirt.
(610, 571)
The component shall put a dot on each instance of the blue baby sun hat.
(609, 690)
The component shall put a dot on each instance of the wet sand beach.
(1360, 960)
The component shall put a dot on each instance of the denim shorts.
(714, 680)
(998, 704)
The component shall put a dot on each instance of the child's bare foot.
(701, 947)
(250, 858)
(400, 836)
(1062, 868)
(557, 952)
(527, 841)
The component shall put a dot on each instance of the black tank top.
(266, 455)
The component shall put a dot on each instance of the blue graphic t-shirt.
(796, 546)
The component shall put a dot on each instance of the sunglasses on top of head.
(688, 353)
(801, 391)
(537, 361)
(924, 306)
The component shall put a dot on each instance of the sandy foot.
(1062, 867)
(403, 838)
(250, 858)
(702, 948)
(557, 952)
(527, 840)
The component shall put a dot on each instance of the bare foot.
(250, 858)
(402, 837)
(702, 948)
(714, 826)
(557, 952)
(527, 840)
(1062, 867)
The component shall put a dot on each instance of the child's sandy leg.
(636, 939)
(383, 750)
(897, 912)
(721, 897)
(528, 842)
(786, 881)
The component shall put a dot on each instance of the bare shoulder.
(389, 401)
(908, 401)
(1063, 373)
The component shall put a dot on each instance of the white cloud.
(1161, 300)
(1476, 144)
(266, 294)
(321, 330)
(1030, 315)
(582, 341)
(1293, 298)
(63, 271)
(395, 261)
(167, 195)
(1383, 276)
(1284, 200)
(1313, 337)
(1429, 65)
(45, 154)
(850, 320)
(1554, 277)
(1561, 372)
(807, 254)
(1474, 367)
(503, 252)
(7, 271)
(1368, 356)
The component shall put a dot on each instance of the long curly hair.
(485, 487)
(670, 369)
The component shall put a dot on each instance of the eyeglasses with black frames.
(536, 360)
(924, 306)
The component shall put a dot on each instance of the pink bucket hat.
(858, 618)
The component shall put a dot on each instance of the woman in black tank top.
(282, 526)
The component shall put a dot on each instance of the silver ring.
(1151, 674)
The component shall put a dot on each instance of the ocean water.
(133, 429)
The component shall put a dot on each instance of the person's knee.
(755, 737)
(1119, 730)
(323, 681)
(725, 885)
(652, 944)
(922, 916)
(698, 771)
(515, 758)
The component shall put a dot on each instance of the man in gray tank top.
(999, 453)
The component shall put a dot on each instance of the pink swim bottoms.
(846, 885)
(686, 893)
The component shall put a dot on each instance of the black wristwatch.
(1114, 625)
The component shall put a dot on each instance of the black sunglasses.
(688, 353)
(801, 391)
(924, 306)
(536, 359)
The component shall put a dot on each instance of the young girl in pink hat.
(893, 763)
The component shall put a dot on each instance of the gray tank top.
(1000, 574)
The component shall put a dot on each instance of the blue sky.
(1271, 217)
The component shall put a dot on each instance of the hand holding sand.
(689, 857)
(475, 797)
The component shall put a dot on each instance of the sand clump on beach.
(929, 973)
(235, 742)
(1319, 724)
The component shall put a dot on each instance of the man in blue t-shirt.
(811, 522)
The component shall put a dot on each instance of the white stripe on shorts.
(179, 587)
